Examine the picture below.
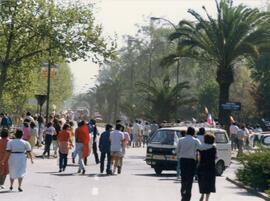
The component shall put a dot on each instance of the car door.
(223, 147)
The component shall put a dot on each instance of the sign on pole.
(232, 106)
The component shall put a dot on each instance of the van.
(161, 149)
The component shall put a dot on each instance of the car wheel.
(158, 171)
(220, 167)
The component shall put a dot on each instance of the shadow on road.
(64, 174)
(7, 191)
(154, 175)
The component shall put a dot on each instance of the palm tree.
(235, 34)
(163, 98)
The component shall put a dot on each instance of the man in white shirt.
(117, 140)
(233, 135)
(29, 117)
(186, 153)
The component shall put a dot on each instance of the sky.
(119, 17)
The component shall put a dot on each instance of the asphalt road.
(136, 183)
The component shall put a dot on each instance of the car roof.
(184, 128)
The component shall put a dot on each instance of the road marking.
(95, 191)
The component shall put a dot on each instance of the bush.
(256, 170)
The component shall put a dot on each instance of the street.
(137, 182)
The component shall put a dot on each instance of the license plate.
(158, 157)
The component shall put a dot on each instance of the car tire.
(220, 167)
(158, 171)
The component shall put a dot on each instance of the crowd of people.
(61, 136)
(240, 136)
(196, 154)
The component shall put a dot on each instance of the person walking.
(117, 141)
(105, 149)
(57, 124)
(34, 134)
(49, 132)
(233, 135)
(186, 150)
(124, 147)
(16, 157)
(41, 125)
(82, 144)
(3, 167)
(5, 121)
(200, 135)
(93, 130)
(241, 137)
(26, 131)
(206, 168)
(146, 133)
(136, 130)
(64, 143)
(75, 152)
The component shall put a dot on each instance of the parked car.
(161, 150)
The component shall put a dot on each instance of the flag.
(209, 119)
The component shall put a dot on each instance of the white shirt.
(116, 138)
(49, 131)
(187, 147)
(30, 118)
(136, 129)
(234, 129)
(18, 145)
(201, 138)
(146, 130)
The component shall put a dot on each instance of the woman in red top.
(3, 167)
(64, 143)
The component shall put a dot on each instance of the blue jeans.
(48, 142)
(178, 171)
(80, 153)
(62, 161)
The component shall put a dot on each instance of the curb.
(249, 189)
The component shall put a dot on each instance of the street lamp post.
(48, 88)
(49, 69)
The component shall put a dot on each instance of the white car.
(161, 154)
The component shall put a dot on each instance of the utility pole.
(49, 69)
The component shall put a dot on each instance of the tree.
(61, 84)
(31, 29)
(261, 74)
(163, 99)
(236, 33)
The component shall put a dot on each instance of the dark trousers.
(187, 167)
(95, 152)
(48, 142)
(2, 179)
(62, 161)
(102, 159)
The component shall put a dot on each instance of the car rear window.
(221, 137)
(166, 137)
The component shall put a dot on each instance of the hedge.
(256, 170)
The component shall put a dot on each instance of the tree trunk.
(3, 79)
(224, 79)
(224, 115)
